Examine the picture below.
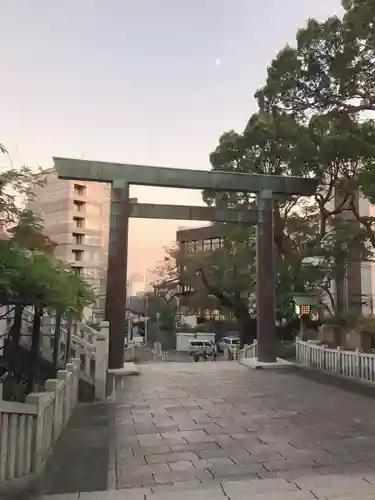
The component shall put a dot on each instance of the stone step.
(327, 487)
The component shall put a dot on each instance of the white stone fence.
(90, 346)
(249, 351)
(29, 430)
(353, 364)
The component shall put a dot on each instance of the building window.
(79, 222)
(77, 255)
(217, 243)
(78, 238)
(207, 245)
(79, 190)
(80, 206)
(190, 247)
(78, 270)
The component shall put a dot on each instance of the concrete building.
(76, 216)
(363, 273)
(199, 239)
(356, 291)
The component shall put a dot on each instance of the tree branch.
(215, 291)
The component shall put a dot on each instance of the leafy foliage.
(330, 71)
(34, 277)
(166, 309)
(308, 125)
(28, 233)
(329, 78)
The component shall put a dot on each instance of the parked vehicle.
(228, 343)
(199, 347)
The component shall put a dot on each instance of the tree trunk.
(68, 345)
(282, 241)
(56, 340)
(15, 329)
(11, 348)
(35, 350)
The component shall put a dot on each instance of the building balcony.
(79, 222)
(79, 190)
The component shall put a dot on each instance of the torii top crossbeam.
(117, 173)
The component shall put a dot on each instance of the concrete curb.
(112, 459)
(347, 384)
(254, 364)
(129, 368)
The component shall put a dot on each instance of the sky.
(151, 82)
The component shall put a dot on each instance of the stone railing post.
(358, 363)
(101, 360)
(86, 337)
(63, 375)
(323, 361)
(37, 458)
(52, 385)
(77, 363)
(72, 385)
(298, 350)
(338, 360)
(244, 350)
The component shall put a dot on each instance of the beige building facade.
(76, 216)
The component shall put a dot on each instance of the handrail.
(352, 364)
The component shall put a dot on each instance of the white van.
(228, 343)
(199, 347)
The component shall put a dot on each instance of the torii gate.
(121, 176)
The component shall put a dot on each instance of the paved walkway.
(221, 430)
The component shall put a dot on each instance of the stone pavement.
(219, 429)
(320, 487)
(80, 459)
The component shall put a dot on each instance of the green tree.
(28, 233)
(330, 71)
(167, 309)
(329, 78)
(314, 239)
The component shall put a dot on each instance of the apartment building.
(76, 216)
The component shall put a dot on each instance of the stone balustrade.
(86, 343)
(29, 430)
(249, 351)
(353, 364)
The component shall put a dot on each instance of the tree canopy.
(330, 70)
(329, 78)
(32, 277)
(314, 120)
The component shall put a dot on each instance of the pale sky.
(138, 81)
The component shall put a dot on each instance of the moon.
(218, 62)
